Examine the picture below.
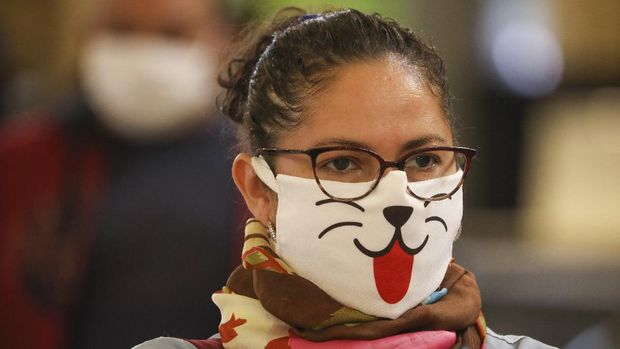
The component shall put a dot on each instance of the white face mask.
(383, 254)
(147, 88)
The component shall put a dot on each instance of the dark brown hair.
(277, 66)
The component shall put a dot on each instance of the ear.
(258, 197)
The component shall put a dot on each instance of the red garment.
(33, 176)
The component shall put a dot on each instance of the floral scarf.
(266, 305)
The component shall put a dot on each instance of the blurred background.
(536, 88)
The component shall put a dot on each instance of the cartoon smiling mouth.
(393, 265)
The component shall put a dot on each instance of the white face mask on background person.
(145, 88)
(382, 254)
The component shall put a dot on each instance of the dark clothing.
(149, 227)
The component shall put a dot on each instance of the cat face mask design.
(382, 255)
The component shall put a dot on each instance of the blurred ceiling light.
(521, 47)
(528, 59)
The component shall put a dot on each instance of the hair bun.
(245, 54)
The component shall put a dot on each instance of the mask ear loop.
(264, 173)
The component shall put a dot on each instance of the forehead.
(381, 104)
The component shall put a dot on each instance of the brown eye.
(421, 162)
(340, 164)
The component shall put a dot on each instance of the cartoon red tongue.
(392, 274)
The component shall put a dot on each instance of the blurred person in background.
(116, 211)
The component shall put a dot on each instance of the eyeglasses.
(362, 169)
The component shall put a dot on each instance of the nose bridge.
(399, 164)
(389, 166)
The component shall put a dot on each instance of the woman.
(355, 183)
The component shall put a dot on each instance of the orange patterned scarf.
(265, 302)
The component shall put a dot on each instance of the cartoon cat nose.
(397, 215)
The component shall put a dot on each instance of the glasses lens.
(434, 173)
(346, 174)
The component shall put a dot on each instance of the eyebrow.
(423, 141)
(416, 143)
(341, 141)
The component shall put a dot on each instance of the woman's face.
(381, 105)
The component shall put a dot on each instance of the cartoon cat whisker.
(350, 203)
(437, 219)
(338, 225)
